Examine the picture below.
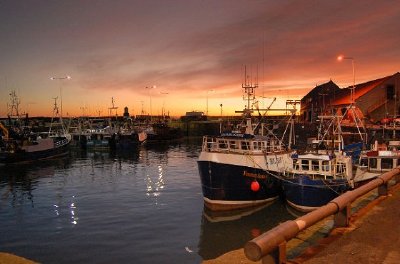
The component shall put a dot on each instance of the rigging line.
(265, 170)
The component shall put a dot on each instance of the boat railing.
(270, 247)
(215, 144)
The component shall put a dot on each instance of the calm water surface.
(140, 206)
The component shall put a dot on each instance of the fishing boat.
(20, 144)
(240, 168)
(128, 136)
(380, 159)
(319, 174)
(161, 130)
(93, 133)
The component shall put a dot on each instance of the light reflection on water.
(139, 206)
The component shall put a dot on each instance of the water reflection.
(18, 181)
(154, 186)
(227, 231)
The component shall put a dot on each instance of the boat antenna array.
(14, 106)
(249, 92)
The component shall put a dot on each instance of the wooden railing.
(270, 247)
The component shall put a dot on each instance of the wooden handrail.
(270, 241)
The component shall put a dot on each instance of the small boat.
(239, 168)
(161, 130)
(128, 136)
(321, 173)
(93, 133)
(315, 179)
(380, 159)
(20, 144)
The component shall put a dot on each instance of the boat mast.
(14, 107)
(249, 91)
(113, 108)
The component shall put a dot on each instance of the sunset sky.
(187, 52)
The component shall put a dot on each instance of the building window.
(389, 92)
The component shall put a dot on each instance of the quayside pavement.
(372, 237)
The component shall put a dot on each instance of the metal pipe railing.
(273, 239)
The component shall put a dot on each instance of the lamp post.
(340, 58)
(149, 88)
(207, 101)
(60, 79)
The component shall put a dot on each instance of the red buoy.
(255, 186)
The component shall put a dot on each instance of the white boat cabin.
(242, 145)
(380, 161)
(320, 166)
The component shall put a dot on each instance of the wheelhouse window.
(325, 165)
(364, 162)
(245, 145)
(340, 168)
(233, 144)
(257, 145)
(315, 165)
(305, 165)
(373, 163)
(263, 145)
(386, 163)
(223, 144)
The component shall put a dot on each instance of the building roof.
(329, 87)
(343, 97)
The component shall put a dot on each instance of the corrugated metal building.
(373, 100)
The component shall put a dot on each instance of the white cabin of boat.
(319, 166)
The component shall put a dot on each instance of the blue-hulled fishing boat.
(240, 168)
(321, 173)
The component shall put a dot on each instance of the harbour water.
(144, 205)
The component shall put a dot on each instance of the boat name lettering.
(276, 160)
(254, 175)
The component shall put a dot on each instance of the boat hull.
(229, 186)
(306, 194)
(60, 149)
(127, 141)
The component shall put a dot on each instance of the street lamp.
(152, 87)
(60, 79)
(340, 58)
(207, 101)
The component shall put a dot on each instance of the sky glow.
(115, 49)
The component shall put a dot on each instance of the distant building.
(126, 113)
(194, 116)
(374, 100)
(318, 101)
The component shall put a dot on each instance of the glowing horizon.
(186, 48)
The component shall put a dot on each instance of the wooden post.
(342, 218)
(383, 189)
(278, 256)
